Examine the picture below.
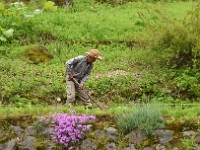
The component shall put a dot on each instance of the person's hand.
(70, 76)
(80, 86)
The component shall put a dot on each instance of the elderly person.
(79, 68)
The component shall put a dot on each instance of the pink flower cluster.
(70, 129)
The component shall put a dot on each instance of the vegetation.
(151, 53)
(145, 118)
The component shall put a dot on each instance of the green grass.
(120, 33)
(184, 110)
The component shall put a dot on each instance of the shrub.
(70, 129)
(50, 6)
(182, 38)
(145, 118)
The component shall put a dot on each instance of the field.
(151, 52)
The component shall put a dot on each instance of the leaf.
(3, 39)
(8, 33)
(1, 6)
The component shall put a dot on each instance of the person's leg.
(70, 89)
(84, 97)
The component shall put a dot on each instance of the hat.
(94, 53)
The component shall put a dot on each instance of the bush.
(182, 38)
(145, 118)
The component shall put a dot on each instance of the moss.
(40, 144)
(38, 54)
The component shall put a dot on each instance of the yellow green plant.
(50, 6)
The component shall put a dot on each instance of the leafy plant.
(5, 35)
(189, 142)
(50, 6)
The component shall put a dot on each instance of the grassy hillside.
(131, 70)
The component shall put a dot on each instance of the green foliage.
(2, 6)
(118, 32)
(5, 35)
(50, 6)
(188, 83)
(15, 18)
(189, 142)
(22, 102)
(145, 118)
(182, 38)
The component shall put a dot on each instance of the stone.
(160, 147)
(147, 148)
(111, 146)
(131, 147)
(100, 134)
(17, 130)
(38, 54)
(11, 145)
(189, 133)
(164, 136)
(198, 148)
(136, 136)
(88, 145)
(2, 133)
(112, 133)
(27, 143)
(47, 132)
(31, 131)
(50, 145)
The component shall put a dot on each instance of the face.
(91, 59)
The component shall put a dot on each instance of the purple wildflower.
(70, 129)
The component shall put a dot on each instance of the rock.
(112, 133)
(38, 54)
(11, 145)
(189, 133)
(88, 145)
(198, 138)
(50, 145)
(2, 146)
(160, 147)
(30, 131)
(27, 143)
(2, 133)
(136, 137)
(47, 132)
(198, 148)
(147, 148)
(131, 147)
(100, 134)
(111, 146)
(164, 136)
(17, 130)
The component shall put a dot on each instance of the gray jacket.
(80, 68)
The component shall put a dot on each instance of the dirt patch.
(113, 74)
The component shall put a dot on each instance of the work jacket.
(80, 68)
